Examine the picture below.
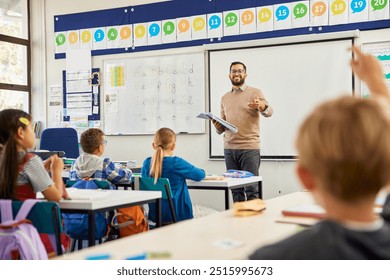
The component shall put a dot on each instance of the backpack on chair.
(130, 220)
(19, 239)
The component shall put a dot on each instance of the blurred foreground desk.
(226, 185)
(203, 238)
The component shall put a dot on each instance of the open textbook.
(210, 116)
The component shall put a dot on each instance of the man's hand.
(257, 104)
(217, 125)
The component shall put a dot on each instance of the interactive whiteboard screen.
(294, 78)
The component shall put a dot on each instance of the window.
(15, 60)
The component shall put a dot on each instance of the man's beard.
(237, 83)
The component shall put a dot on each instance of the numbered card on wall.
(265, 18)
(154, 33)
(183, 29)
(319, 13)
(99, 38)
(60, 42)
(379, 10)
(231, 25)
(199, 28)
(86, 39)
(73, 39)
(214, 25)
(338, 12)
(140, 34)
(112, 37)
(282, 16)
(358, 11)
(126, 36)
(168, 31)
(248, 21)
(300, 14)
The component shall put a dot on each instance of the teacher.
(242, 107)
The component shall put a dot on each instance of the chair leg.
(79, 244)
(73, 245)
(170, 203)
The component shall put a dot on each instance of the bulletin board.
(143, 94)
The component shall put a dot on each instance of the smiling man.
(242, 106)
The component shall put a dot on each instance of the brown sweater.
(235, 110)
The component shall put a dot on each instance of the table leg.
(260, 189)
(91, 228)
(227, 206)
(158, 213)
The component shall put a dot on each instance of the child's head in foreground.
(344, 144)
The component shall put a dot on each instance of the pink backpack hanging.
(19, 239)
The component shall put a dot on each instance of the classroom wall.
(278, 176)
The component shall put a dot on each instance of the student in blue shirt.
(164, 164)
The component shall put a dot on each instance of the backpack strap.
(6, 210)
(27, 205)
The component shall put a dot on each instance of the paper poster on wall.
(140, 34)
(338, 12)
(282, 17)
(111, 103)
(379, 9)
(55, 96)
(231, 25)
(319, 13)
(381, 51)
(115, 76)
(358, 11)
(214, 25)
(248, 21)
(154, 33)
(60, 42)
(265, 18)
(300, 14)
(183, 29)
(99, 38)
(86, 39)
(168, 31)
(199, 30)
(73, 39)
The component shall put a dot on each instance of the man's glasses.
(104, 142)
(239, 71)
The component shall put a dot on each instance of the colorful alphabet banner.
(145, 28)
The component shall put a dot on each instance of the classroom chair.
(162, 184)
(46, 218)
(61, 139)
(79, 239)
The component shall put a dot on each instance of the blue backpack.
(76, 224)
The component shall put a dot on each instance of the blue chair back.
(61, 139)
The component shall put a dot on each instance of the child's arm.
(55, 191)
(117, 174)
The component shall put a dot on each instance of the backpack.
(76, 224)
(19, 239)
(130, 220)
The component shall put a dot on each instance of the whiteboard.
(293, 77)
(146, 93)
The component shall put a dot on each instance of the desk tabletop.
(197, 238)
(227, 182)
(99, 199)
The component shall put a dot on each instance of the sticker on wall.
(214, 25)
(168, 31)
(140, 34)
(358, 11)
(282, 16)
(99, 38)
(319, 13)
(86, 39)
(73, 39)
(248, 21)
(199, 27)
(183, 32)
(60, 42)
(231, 24)
(379, 10)
(300, 14)
(125, 36)
(265, 18)
(154, 33)
(338, 12)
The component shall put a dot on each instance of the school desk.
(218, 236)
(93, 201)
(226, 185)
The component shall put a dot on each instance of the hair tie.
(24, 121)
